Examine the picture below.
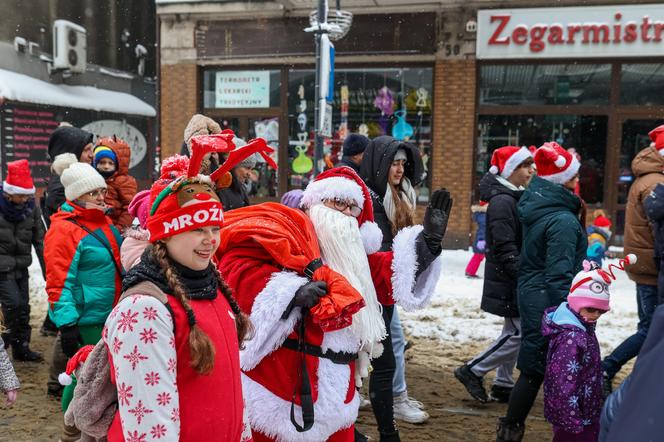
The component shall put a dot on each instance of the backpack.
(95, 400)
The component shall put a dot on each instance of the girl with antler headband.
(573, 377)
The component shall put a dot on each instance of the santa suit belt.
(338, 357)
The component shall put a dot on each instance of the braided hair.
(201, 348)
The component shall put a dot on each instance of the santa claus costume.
(174, 337)
(300, 369)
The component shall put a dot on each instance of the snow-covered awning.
(26, 89)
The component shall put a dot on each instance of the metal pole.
(318, 137)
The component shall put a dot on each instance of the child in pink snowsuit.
(479, 246)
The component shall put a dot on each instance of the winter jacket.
(573, 379)
(554, 247)
(234, 196)
(375, 169)
(81, 279)
(17, 239)
(346, 161)
(611, 407)
(8, 379)
(62, 140)
(647, 167)
(503, 247)
(121, 186)
(654, 207)
(597, 244)
(637, 417)
(134, 244)
(479, 218)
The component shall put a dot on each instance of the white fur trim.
(330, 188)
(16, 190)
(63, 161)
(407, 292)
(64, 379)
(513, 162)
(342, 340)
(372, 237)
(565, 175)
(494, 170)
(270, 330)
(270, 415)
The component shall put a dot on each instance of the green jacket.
(554, 247)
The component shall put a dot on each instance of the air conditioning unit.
(69, 46)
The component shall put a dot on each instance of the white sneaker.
(408, 410)
(365, 404)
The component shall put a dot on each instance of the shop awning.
(26, 89)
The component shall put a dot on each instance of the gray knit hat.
(79, 179)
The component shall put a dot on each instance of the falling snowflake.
(140, 411)
(135, 437)
(152, 378)
(124, 394)
(148, 336)
(127, 321)
(175, 414)
(135, 357)
(573, 401)
(116, 345)
(573, 366)
(172, 365)
(164, 399)
(587, 391)
(158, 431)
(150, 313)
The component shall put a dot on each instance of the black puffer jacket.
(17, 239)
(503, 246)
(375, 169)
(234, 196)
(63, 140)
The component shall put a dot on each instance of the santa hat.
(74, 363)
(344, 183)
(657, 137)
(18, 181)
(505, 160)
(555, 164)
(79, 179)
(590, 287)
(602, 221)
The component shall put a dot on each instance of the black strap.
(108, 247)
(312, 267)
(338, 357)
(306, 399)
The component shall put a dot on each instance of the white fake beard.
(343, 251)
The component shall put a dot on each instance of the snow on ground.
(454, 316)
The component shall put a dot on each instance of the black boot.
(21, 351)
(472, 382)
(508, 432)
(48, 328)
(500, 394)
(359, 437)
(390, 437)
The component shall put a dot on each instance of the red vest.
(211, 406)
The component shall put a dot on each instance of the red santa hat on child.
(344, 183)
(555, 164)
(19, 181)
(590, 287)
(74, 363)
(657, 137)
(506, 159)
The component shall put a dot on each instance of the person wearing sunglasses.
(83, 270)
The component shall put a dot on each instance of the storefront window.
(374, 102)
(233, 89)
(545, 84)
(641, 84)
(586, 134)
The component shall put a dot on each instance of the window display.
(585, 134)
(372, 102)
(642, 84)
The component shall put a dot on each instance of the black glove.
(306, 296)
(435, 219)
(70, 339)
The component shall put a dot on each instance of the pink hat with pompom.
(139, 207)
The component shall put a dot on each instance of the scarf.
(507, 184)
(199, 284)
(407, 194)
(16, 214)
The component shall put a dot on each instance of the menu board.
(26, 128)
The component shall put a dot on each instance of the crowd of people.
(182, 310)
